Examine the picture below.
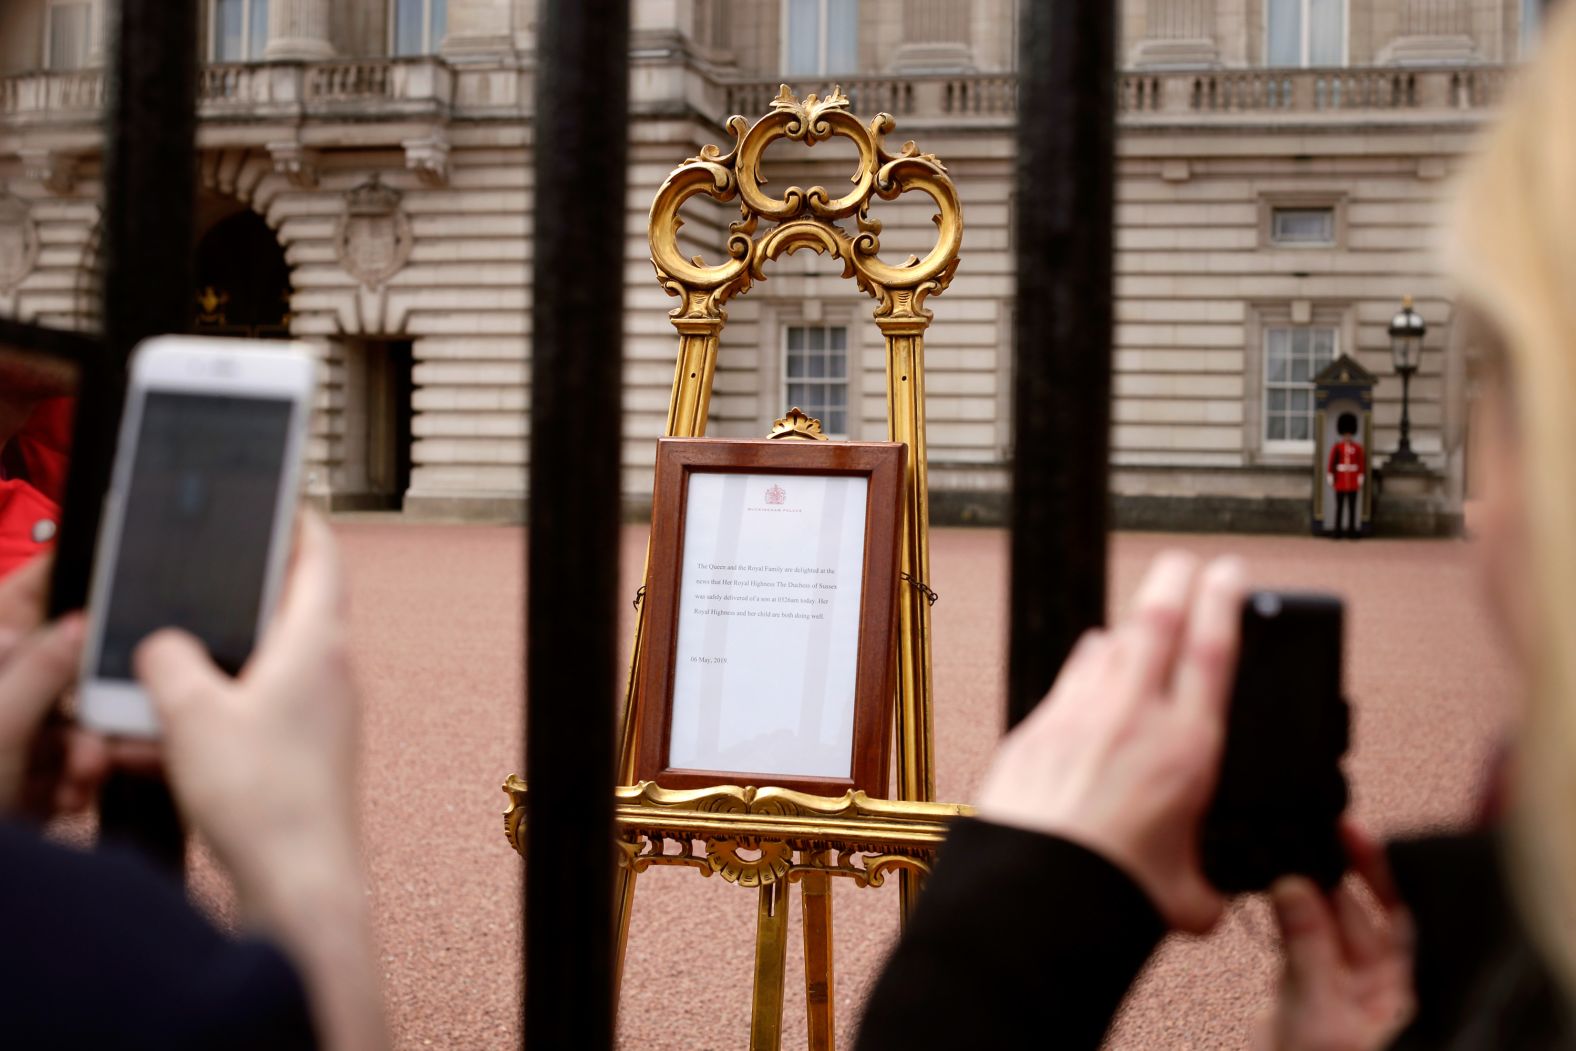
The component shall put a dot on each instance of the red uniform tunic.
(1346, 465)
(32, 483)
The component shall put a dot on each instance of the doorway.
(380, 378)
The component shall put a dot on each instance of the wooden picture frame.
(742, 598)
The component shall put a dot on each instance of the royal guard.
(1345, 472)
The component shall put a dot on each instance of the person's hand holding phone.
(1123, 754)
(264, 766)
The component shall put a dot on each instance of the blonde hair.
(1514, 257)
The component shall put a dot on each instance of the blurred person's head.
(1515, 260)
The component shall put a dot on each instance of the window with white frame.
(815, 367)
(1293, 356)
(820, 36)
(1302, 226)
(239, 30)
(417, 27)
(1305, 32)
(66, 30)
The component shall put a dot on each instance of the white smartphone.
(198, 518)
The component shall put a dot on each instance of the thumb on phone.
(177, 672)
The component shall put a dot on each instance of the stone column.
(97, 25)
(1177, 33)
(935, 36)
(1181, 19)
(1434, 18)
(478, 29)
(298, 30)
(1431, 32)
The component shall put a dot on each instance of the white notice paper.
(768, 632)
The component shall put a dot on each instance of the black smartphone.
(1281, 793)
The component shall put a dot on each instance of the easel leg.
(771, 962)
(623, 908)
(818, 960)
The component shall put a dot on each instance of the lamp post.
(1406, 349)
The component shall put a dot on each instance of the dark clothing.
(100, 950)
(1020, 941)
(1026, 941)
(1480, 985)
(1346, 511)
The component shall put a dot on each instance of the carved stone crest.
(18, 241)
(373, 238)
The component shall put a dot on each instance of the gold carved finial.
(798, 424)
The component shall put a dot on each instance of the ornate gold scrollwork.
(805, 218)
(756, 836)
(798, 424)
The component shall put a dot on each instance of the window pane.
(229, 41)
(839, 339)
(1298, 428)
(1326, 32)
(836, 395)
(1277, 400)
(799, 396)
(804, 38)
(842, 36)
(1285, 32)
(1299, 342)
(795, 338)
(1275, 428)
(836, 422)
(817, 364)
(68, 36)
(407, 27)
(817, 338)
(440, 24)
(1277, 346)
(1300, 372)
(1303, 225)
(257, 21)
(795, 363)
(1323, 346)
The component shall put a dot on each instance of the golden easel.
(767, 838)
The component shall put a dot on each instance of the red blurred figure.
(35, 439)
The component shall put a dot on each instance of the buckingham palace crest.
(373, 238)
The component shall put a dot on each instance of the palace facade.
(366, 186)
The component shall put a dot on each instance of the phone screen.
(199, 515)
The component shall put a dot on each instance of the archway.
(243, 281)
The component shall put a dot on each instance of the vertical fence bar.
(1062, 336)
(150, 184)
(577, 316)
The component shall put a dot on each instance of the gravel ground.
(437, 613)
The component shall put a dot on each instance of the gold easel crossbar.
(782, 834)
